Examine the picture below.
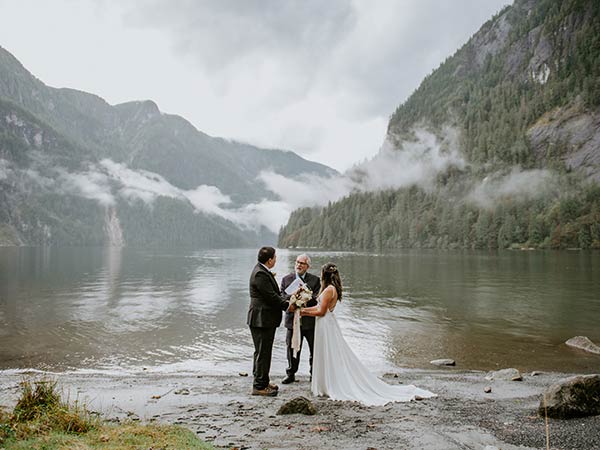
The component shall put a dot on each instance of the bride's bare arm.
(317, 311)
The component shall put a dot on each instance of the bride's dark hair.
(331, 276)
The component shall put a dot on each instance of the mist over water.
(127, 310)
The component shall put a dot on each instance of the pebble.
(443, 362)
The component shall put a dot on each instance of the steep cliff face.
(530, 76)
(523, 95)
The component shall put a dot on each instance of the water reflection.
(127, 309)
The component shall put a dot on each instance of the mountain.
(75, 170)
(522, 98)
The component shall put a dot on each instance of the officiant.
(299, 276)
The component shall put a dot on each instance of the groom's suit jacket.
(314, 283)
(266, 302)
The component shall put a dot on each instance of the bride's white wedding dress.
(340, 375)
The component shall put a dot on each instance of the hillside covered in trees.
(524, 95)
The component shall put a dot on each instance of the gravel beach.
(221, 410)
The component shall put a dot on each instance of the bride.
(337, 371)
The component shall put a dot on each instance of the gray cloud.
(91, 184)
(224, 33)
(416, 163)
(523, 184)
(369, 56)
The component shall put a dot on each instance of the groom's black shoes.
(268, 392)
(289, 379)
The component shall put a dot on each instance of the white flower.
(301, 298)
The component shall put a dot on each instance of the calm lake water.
(125, 310)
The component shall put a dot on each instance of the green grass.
(41, 420)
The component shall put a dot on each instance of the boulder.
(443, 362)
(298, 405)
(577, 396)
(583, 343)
(505, 374)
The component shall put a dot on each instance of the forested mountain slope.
(523, 96)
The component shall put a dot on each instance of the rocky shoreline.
(221, 410)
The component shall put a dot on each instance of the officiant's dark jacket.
(314, 283)
(266, 302)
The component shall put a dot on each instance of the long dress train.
(340, 375)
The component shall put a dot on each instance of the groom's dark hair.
(265, 254)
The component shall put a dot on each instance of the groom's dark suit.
(264, 316)
(307, 324)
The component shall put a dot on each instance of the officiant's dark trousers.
(293, 363)
(263, 348)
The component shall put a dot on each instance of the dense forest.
(514, 91)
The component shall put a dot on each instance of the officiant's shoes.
(268, 392)
(289, 379)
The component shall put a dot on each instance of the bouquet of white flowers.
(299, 300)
(302, 297)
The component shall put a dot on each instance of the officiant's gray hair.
(304, 255)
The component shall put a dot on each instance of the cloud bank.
(523, 184)
(106, 182)
(417, 162)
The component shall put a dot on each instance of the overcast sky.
(320, 78)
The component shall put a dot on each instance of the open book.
(293, 287)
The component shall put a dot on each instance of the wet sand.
(221, 410)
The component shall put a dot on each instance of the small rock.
(243, 374)
(487, 389)
(443, 362)
(577, 396)
(298, 405)
(183, 391)
(535, 373)
(583, 343)
(505, 374)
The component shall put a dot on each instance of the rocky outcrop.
(572, 134)
(505, 374)
(583, 343)
(575, 397)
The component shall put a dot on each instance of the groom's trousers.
(293, 363)
(263, 348)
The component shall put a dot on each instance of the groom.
(307, 328)
(264, 316)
